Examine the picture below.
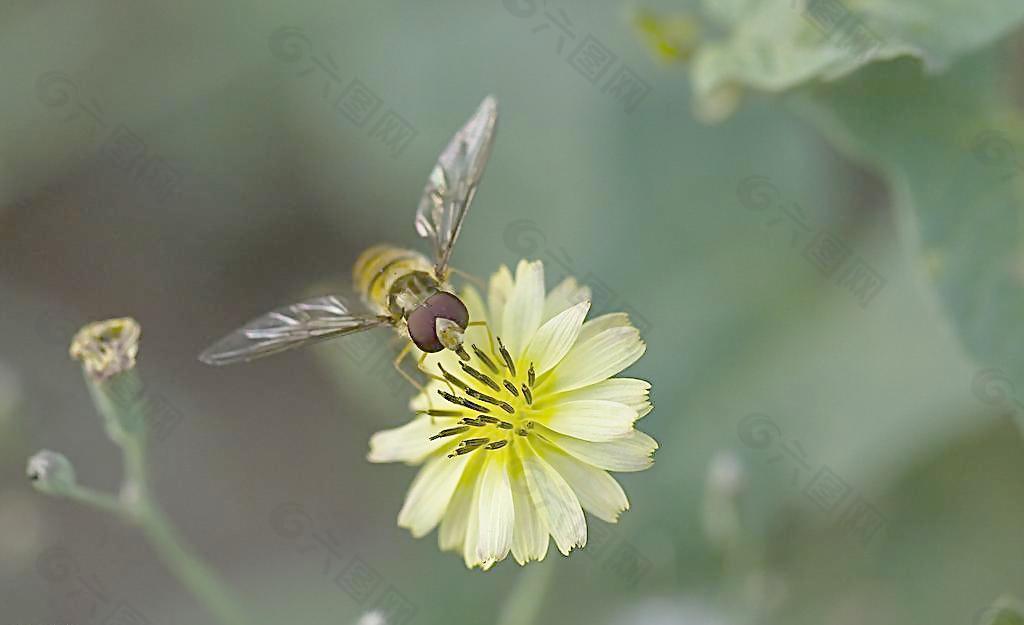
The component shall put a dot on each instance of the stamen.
(507, 358)
(511, 388)
(497, 445)
(461, 351)
(485, 359)
(505, 425)
(528, 394)
(440, 413)
(463, 450)
(450, 432)
(488, 418)
(460, 401)
(451, 378)
(474, 442)
(483, 377)
(522, 432)
(472, 392)
(478, 423)
(531, 376)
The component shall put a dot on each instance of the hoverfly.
(401, 288)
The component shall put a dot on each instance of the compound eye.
(423, 321)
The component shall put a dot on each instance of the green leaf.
(775, 45)
(950, 149)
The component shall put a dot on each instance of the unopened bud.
(51, 472)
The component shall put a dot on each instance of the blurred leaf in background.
(776, 45)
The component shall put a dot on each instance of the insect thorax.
(409, 291)
(394, 281)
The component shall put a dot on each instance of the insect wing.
(288, 327)
(453, 182)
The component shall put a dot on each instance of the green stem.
(523, 605)
(188, 568)
(121, 402)
(96, 499)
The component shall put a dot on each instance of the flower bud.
(107, 348)
(51, 472)
(107, 351)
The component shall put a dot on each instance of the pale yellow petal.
(567, 293)
(430, 494)
(630, 453)
(409, 443)
(598, 492)
(522, 313)
(630, 391)
(498, 291)
(469, 547)
(607, 321)
(590, 419)
(452, 534)
(474, 303)
(496, 516)
(553, 340)
(595, 359)
(555, 500)
(530, 536)
(419, 402)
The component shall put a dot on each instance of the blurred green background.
(828, 279)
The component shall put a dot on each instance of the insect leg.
(434, 376)
(398, 367)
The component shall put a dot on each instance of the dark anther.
(497, 444)
(463, 450)
(511, 388)
(461, 351)
(440, 413)
(451, 378)
(528, 394)
(488, 418)
(483, 377)
(531, 376)
(485, 359)
(450, 432)
(505, 425)
(474, 442)
(459, 401)
(522, 432)
(479, 423)
(472, 392)
(507, 358)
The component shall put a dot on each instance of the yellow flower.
(517, 442)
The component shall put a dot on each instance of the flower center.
(498, 394)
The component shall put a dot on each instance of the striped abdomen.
(392, 280)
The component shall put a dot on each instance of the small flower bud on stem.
(108, 352)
